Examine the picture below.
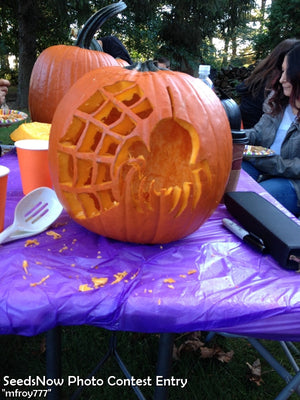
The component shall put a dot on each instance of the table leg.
(164, 363)
(112, 352)
(53, 361)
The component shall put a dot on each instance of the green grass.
(5, 135)
(83, 347)
(6, 131)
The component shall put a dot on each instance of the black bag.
(280, 234)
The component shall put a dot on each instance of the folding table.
(208, 281)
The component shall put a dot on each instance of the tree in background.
(137, 27)
(233, 26)
(181, 30)
(186, 30)
(27, 34)
(283, 23)
(8, 35)
(29, 26)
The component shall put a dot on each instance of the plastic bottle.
(204, 71)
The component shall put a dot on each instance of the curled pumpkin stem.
(91, 26)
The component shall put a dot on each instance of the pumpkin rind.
(122, 62)
(140, 156)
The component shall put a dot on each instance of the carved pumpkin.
(140, 155)
(58, 67)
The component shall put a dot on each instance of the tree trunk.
(27, 48)
(225, 52)
(234, 47)
(262, 16)
(263, 8)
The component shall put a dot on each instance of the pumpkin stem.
(144, 66)
(87, 33)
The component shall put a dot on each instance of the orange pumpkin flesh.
(140, 156)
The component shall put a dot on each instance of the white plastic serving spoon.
(33, 214)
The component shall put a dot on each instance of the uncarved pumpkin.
(140, 155)
(121, 62)
(58, 67)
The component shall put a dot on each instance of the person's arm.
(4, 84)
(286, 165)
(263, 133)
(278, 166)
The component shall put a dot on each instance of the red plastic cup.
(4, 171)
(33, 163)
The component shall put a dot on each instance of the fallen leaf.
(224, 357)
(195, 335)
(207, 352)
(194, 344)
(255, 372)
(190, 346)
(255, 368)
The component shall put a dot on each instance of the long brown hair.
(278, 100)
(269, 69)
(293, 75)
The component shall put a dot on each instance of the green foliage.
(53, 20)
(9, 28)
(283, 23)
(181, 30)
(284, 20)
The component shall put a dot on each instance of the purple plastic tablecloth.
(206, 281)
